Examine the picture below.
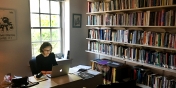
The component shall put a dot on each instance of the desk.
(69, 81)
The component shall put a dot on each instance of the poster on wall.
(7, 25)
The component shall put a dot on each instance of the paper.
(73, 70)
(83, 67)
(17, 76)
(43, 78)
(76, 68)
(115, 63)
(93, 72)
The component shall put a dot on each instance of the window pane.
(44, 6)
(46, 36)
(49, 16)
(55, 21)
(56, 34)
(35, 34)
(35, 20)
(45, 21)
(56, 47)
(35, 49)
(55, 7)
(34, 6)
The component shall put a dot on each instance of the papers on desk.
(76, 68)
(43, 78)
(83, 67)
(17, 77)
(83, 74)
(93, 72)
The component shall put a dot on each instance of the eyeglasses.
(47, 50)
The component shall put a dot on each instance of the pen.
(43, 80)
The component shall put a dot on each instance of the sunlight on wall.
(67, 26)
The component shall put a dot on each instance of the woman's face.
(47, 51)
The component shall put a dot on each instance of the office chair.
(68, 54)
(33, 66)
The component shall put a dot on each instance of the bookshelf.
(129, 44)
(136, 9)
(139, 63)
(112, 26)
(131, 30)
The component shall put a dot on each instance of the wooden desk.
(69, 81)
(56, 82)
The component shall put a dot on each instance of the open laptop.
(60, 69)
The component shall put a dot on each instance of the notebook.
(59, 70)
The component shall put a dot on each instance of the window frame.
(61, 7)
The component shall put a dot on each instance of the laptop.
(60, 69)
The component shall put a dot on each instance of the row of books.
(146, 18)
(126, 4)
(145, 76)
(159, 39)
(113, 72)
(142, 55)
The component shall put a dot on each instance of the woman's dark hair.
(44, 45)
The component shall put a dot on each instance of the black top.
(45, 63)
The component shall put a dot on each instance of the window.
(46, 24)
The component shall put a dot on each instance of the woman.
(46, 59)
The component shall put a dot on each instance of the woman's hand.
(46, 72)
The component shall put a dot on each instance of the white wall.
(78, 42)
(15, 55)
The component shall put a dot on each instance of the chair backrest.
(68, 54)
(33, 66)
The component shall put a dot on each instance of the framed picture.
(76, 20)
(7, 25)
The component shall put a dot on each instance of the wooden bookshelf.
(130, 44)
(143, 86)
(135, 9)
(156, 16)
(114, 26)
(98, 0)
(135, 62)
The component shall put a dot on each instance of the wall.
(15, 55)
(78, 42)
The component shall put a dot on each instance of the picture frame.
(8, 29)
(76, 21)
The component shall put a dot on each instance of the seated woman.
(46, 59)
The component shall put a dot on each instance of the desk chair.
(33, 66)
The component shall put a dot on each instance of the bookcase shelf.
(98, 0)
(105, 55)
(153, 20)
(135, 62)
(130, 44)
(143, 86)
(135, 9)
(114, 26)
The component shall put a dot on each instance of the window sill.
(57, 59)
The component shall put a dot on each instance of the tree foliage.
(46, 34)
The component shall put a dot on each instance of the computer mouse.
(39, 75)
(23, 86)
